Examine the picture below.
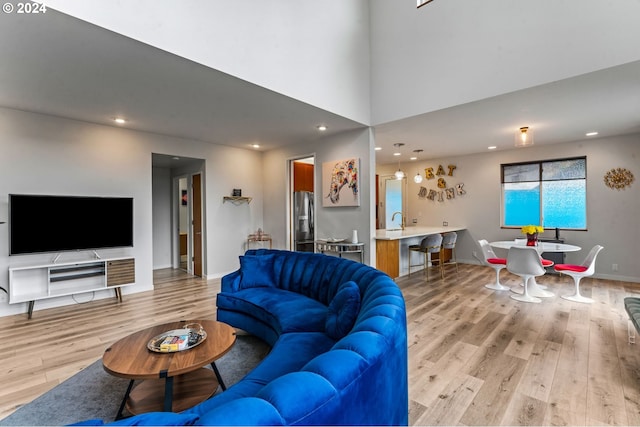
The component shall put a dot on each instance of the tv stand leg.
(118, 292)
(31, 304)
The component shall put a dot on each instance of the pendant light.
(418, 178)
(524, 136)
(399, 174)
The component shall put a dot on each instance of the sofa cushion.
(256, 271)
(284, 311)
(246, 411)
(343, 310)
(299, 395)
(148, 419)
(290, 354)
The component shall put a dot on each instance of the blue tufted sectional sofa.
(339, 345)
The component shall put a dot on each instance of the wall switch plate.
(614, 267)
(445, 223)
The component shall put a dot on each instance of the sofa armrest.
(230, 282)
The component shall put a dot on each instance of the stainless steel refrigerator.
(303, 226)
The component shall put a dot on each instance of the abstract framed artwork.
(340, 183)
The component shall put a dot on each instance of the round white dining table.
(540, 247)
(534, 289)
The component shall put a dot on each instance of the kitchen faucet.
(401, 217)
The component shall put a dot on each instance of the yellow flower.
(532, 229)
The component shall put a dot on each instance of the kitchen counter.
(409, 232)
(390, 248)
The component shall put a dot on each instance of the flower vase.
(532, 239)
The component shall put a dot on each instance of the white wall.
(49, 155)
(456, 51)
(316, 52)
(345, 56)
(337, 222)
(611, 214)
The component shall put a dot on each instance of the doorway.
(393, 201)
(302, 225)
(196, 214)
(183, 224)
(178, 214)
(188, 223)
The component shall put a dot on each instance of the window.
(551, 193)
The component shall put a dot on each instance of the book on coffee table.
(174, 343)
(178, 339)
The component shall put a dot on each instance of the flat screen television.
(48, 223)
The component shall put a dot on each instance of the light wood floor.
(476, 357)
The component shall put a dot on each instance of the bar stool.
(432, 244)
(449, 242)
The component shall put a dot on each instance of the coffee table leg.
(124, 400)
(218, 377)
(168, 391)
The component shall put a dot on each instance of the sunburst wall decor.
(618, 178)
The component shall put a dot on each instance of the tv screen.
(43, 223)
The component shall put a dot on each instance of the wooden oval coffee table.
(172, 382)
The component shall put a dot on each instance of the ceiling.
(606, 101)
(65, 67)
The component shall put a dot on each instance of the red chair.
(546, 262)
(492, 260)
(587, 268)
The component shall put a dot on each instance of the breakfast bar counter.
(389, 245)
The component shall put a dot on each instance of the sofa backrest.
(314, 275)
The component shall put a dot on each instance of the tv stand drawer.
(121, 272)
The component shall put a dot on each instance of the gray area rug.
(93, 393)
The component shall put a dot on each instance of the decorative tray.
(335, 240)
(178, 339)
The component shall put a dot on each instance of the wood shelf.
(237, 200)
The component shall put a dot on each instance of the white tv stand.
(32, 283)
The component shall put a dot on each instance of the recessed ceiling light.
(175, 158)
(591, 134)
(255, 145)
(396, 154)
(322, 128)
(413, 158)
(493, 147)
(378, 148)
(120, 120)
